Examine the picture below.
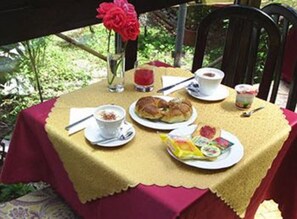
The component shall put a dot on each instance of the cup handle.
(197, 80)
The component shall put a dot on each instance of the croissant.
(179, 110)
(150, 107)
(155, 108)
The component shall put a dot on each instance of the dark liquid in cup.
(211, 75)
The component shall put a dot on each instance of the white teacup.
(109, 119)
(209, 80)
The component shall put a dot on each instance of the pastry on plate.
(151, 107)
(156, 108)
(178, 110)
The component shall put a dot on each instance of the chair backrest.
(239, 55)
(286, 19)
(292, 98)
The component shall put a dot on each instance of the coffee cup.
(109, 119)
(209, 80)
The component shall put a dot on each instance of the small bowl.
(109, 119)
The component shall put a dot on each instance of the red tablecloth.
(31, 157)
(290, 58)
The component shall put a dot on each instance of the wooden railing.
(27, 19)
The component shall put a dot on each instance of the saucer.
(92, 134)
(220, 94)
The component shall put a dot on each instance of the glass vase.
(116, 72)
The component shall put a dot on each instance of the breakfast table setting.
(117, 155)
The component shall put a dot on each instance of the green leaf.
(7, 64)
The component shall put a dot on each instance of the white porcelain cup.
(109, 119)
(209, 80)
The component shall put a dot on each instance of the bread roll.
(155, 108)
(150, 107)
(179, 110)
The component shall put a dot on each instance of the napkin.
(169, 80)
(77, 114)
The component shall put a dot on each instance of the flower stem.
(108, 43)
(114, 65)
(114, 68)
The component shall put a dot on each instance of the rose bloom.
(127, 7)
(131, 29)
(115, 19)
(104, 8)
(120, 3)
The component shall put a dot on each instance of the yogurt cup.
(245, 94)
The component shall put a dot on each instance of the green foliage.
(12, 105)
(157, 44)
(8, 192)
(195, 13)
(9, 60)
(292, 3)
(34, 56)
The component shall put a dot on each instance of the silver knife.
(77, 122)
(173, 85)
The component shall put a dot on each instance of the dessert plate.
(227, 159)
(92, 134)
(159, 125)
(220, 94)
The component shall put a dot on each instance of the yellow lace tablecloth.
(97, 172)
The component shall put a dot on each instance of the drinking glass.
(143, 77)
(116, 72)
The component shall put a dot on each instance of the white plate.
(220, 94)
(159, 124)
(92, 134)
(227, 159)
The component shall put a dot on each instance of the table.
(31, 157)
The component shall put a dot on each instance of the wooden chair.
(239, 54)
(286, 19)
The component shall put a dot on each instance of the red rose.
(131, 29)
(120, 3)
(115, 19)
(104, 8)
(120, 17)
(127, 7)
(130, 10)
